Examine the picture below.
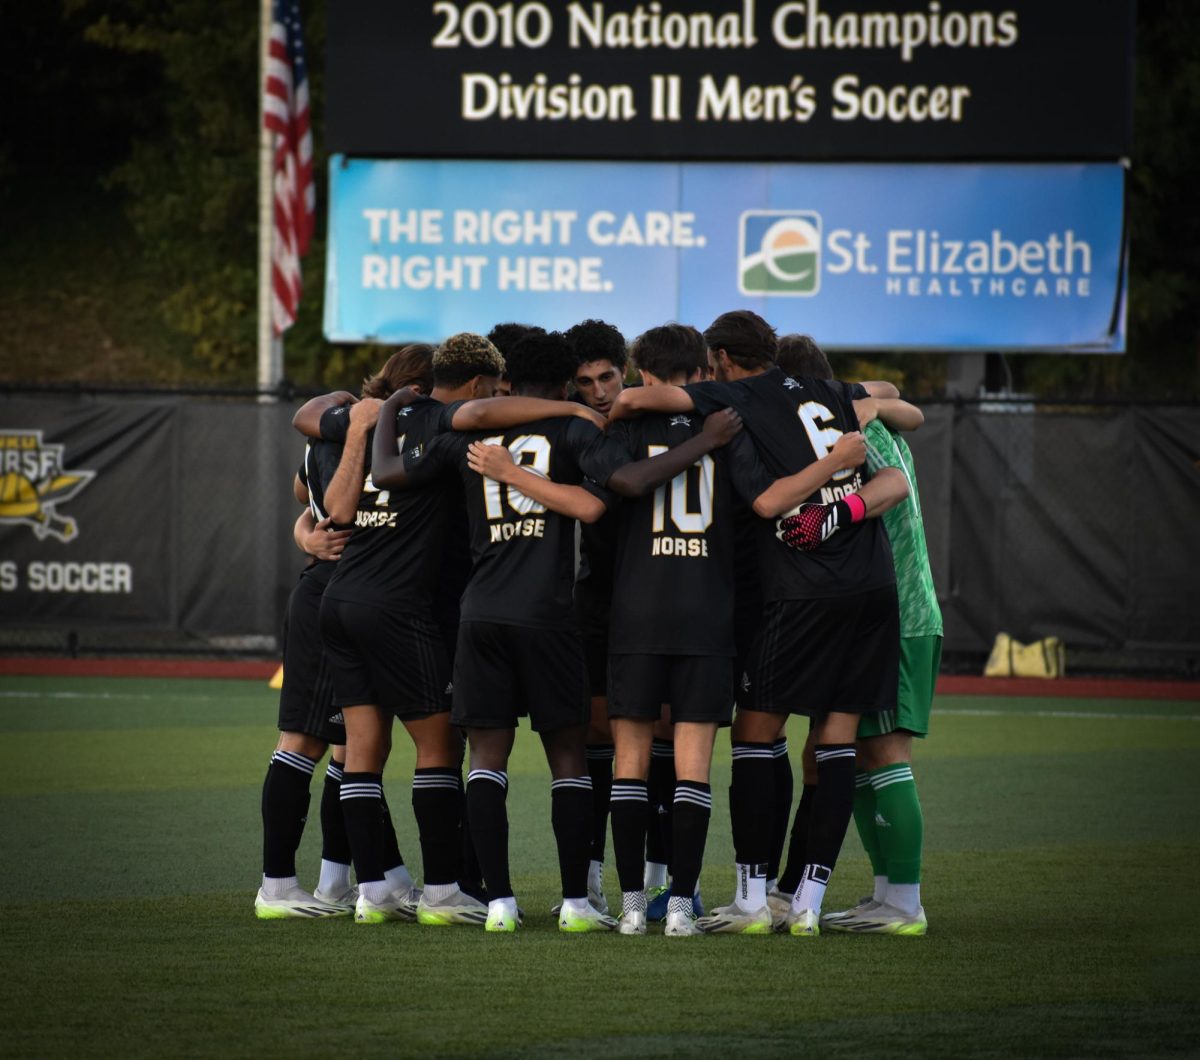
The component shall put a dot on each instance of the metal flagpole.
(270, 345)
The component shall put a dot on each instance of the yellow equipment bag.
(1011, 658)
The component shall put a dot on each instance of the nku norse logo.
(33, 484)
(779, 252)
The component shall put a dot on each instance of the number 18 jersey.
(673, 582)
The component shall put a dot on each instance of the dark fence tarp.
(1078, 521)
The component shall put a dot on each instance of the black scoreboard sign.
(738, 79)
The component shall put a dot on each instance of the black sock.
(600, 769)
(284, 811)
(335, 844)
(751, 795)
(389, 844)
(833, 804)
(570, 816)
(660, 788)
(693, 808)
(797, 857)
(362, 799)
(782, 811)
(471, 876)
(436, 806)
(487, 790)
(630, 812)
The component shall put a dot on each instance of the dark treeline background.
(128, 190)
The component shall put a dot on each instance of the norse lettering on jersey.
(673, 582)
(394, 554)
(789, 424)
(523, 553)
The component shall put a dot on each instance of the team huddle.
(735, 541)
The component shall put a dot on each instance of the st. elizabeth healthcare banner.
(940, 257)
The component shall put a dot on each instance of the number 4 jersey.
(524, 554)
(673, 591)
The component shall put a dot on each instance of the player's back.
(673, 585)
(523, 554)
(793, 423)
(393, 556)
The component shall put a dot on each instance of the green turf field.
(1062, 852)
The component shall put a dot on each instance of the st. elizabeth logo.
(780, 252)
(33, 483)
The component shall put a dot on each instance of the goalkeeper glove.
(814, 523)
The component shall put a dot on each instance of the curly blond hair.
(463, 356)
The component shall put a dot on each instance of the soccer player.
(519, 649)
(598, 378)
(828, 646)
(887, 808)
(308, 722)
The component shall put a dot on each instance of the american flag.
(285, 115)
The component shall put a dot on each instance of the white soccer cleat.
(734, 920)
(502, 916)
(882, 920)
(458, 908)
(295, 904)
(346, 899)
(632, 923)
(780, 905)
(680, 924)
(391, 908)
(574, 922)
(864, 905)
(804, 924)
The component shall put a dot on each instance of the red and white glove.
(814, 523)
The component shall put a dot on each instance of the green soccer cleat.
(734, 920)
(458, 908)
(368, 912)
(882, 920)
(574, 922)
(805, 924)
(295, 904)
(501, 916)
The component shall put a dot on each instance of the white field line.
(984, 713)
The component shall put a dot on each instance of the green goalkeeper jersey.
(920, 615)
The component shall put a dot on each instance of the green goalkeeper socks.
(899, 823)
(864, 821)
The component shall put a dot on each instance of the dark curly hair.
(410, 365)
(463, 356)
(541, 358)
(594, 340)
(668, 350)
(505, 336)
(748, 339)
(799, 355)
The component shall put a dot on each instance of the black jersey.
(673, 591)
(793, 423)
(524, 555)
(393, 558)
(321, 460)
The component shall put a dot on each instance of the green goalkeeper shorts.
(920, 658)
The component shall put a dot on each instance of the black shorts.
(592, 609)
(698, 687)
(813, 657)
(306, 702)
(502, 673)
(393, 659)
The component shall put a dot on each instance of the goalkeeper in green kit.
(887, 809)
